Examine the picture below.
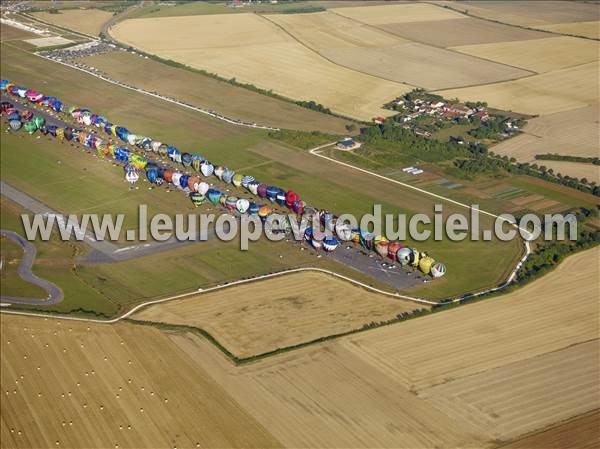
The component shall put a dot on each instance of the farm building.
(347, 144)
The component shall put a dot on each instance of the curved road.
(55, 294)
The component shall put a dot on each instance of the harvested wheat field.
(324, 396)
(87, 21)
(384, 14)
(366, 49)
(284, 311)
(455, 32)
(546, 93)
(585, 29)
(550, 314)
(8, 33)
(517, 398)
(529, 13)
(69, 384)
(582, 432)
(538, 55)
(575, 133)
(580, 170)
(253, 50)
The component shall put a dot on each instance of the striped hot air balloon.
(231, 201)
(246, 180)
(330, 243)
(254, 208)
(214, 196)
(197, 199)
(196, 161)
(438, 270)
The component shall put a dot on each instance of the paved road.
(55, 294)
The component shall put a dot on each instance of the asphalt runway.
(55, 294)
(371, 265)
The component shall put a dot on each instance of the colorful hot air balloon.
(381, 246)
(131, 176)
(193, 182)
(344, 232)
(168, 175)
(206, 168)
(214, 196)
(404, 256)
(290, 198)
(246, 180)
(183, 182)
(253, 187)
(228, 175)
(298, 207)
(174, 154)
(15, 125)
(355, 236)
(317, 238)
(196, 162)
(272, 192)
(197, 198)
(330, 243)
(176, 177)
(186, 159)
(231, 201)
(367, 240)
(242, 205)
(438, 270)
(237, 179)
(264, 212)
(416, 257)
(261, 190)
(393, 248)
(152, 175)
(308, 232)
(254, 208)
(219, 172)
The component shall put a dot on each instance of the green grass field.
(11, 283)
(324, 184)
(203, 8)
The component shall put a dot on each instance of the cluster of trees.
(399, 139)
(488, 162)
(567, 158)
(549, 254)
(490, 128)
(314, 106)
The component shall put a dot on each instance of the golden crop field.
(546, 93)
(384, 14)
(538, 55)
(8, 33)
(573, 132)
(266, 315)
(324, 396)
(366, 49)
(547, 315)
(517, 398)
(528, 13)
(253, 50)
(69, 384)
(585, 29)
(87, 21)
(455, 32)
(589, 171)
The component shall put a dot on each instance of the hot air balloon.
(168, 175)
(290, 198)
(193, 182)
(425, 264)
(264, 212)
(330, 243)
(219, 172)
(202, 188)
(317, 238)
(344, 232)
(253, 187)
(174, 154)
(197, 198)
(52, 130)
(131, 176)
(355, 236)
(183, 182)
(328, 220)
(155, 145)
(416, 257)
(254, 208)
(186, 159)
(30, 127)
(367, 240)
(231, 201)
(381, 246)
(261, 190)
(196, 162)
(223, 200)
(438, 270)
(228, 175)
(393, 248)
(68, 133)
(298, 206)
(206, 168)
(175, 178)
(272, 192)
(280, 198)
(237, 179)
(246, 180)
(152, 175)
(404, 256)
(39, 121)
(242, 205)
(309, 212)
(15, 125)
(132, 139)
(214, 196)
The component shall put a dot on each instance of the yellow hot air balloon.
(425, 264)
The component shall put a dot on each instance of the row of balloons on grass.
(198, 190)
